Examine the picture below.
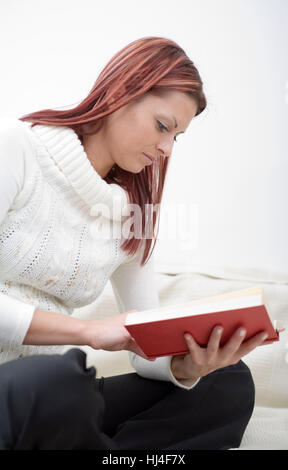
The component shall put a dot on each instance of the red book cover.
(160, 332)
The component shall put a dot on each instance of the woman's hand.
(201, 361)
(111, 335)
(51, 328)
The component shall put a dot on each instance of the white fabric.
(268, 427)
(15, 322)
(53, 255)
(186, 265)
(267, 430)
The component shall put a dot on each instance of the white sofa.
(268, 427)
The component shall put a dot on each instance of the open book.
(160, 331)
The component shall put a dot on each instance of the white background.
(230, 169)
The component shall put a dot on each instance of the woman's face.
(146, 126)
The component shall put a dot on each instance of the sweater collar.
(67, 151)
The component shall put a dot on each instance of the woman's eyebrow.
(175, 122)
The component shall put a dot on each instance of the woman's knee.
(49, 392)
(51, 384)
(43, 373)
(221, 406)
(240, 379)
(234, 387)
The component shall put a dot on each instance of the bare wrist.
(177, 369)
(91, 333)
(82, 332)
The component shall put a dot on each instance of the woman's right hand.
(111, 335)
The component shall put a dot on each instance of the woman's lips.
(149, 160)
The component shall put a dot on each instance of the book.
(160, 331)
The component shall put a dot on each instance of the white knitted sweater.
(51, 254)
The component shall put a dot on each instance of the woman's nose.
(165, 147)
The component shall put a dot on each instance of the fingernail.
(187, 337)
(242, 332)
(264, 336)
(219, 330)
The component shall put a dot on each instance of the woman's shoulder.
(16, 142)
(11, 125)
(14, 134)
(17, 157)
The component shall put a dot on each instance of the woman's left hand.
(201, 361)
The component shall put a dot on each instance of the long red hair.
(147, 64)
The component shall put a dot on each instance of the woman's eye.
(162, 127)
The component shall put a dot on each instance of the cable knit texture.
(58, 248)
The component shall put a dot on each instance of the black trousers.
(51, 402)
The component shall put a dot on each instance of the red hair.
(147, 64)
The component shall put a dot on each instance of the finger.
(234, 343)
(193, 346)
(196, 355)
(252, 343)
(214, 340)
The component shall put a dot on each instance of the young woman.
(68, 181)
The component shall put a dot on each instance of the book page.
(195, 308)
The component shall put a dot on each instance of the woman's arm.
(17, 170)
(49, 328)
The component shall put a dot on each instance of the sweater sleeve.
(134, 287)
(15, 315)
